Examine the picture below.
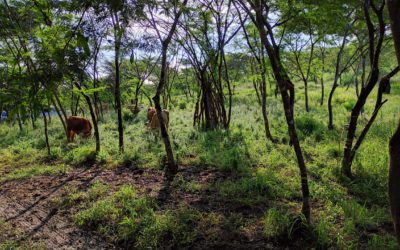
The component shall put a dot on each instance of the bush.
(128, 115)
(349, 104)
(182, 105)
(309, 126)
(81, 154)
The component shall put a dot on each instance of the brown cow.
(78, 125)
(152, 117)
(150, 112)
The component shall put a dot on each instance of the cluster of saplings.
(102, 53)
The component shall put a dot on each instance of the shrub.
(182, 105)
(309, 126)
(81, 154)
(128, 115)
(349, 104)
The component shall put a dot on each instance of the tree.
(376, 35)
(258, 51)
(339, 68)
(259, 11)
(119, 14)
(394, 13)
(205, 34)
(301, 33)
(394, 144)
(171, 167)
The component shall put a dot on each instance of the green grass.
(260, 173)
(36, 170)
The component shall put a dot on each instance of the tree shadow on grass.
(53, 211)
(365, 188)
(217, 220)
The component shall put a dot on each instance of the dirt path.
(32, 206)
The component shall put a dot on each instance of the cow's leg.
(72, 135)
(69, 135)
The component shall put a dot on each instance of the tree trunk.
(60, 116)
(75, 112)
(337, 76)
(394, 144)
(118, 97)
(394, 13)
(62, 109)
(136, 100)
(95, 124)
(334, 86)
(351, 132)
(171, 166)
(264, 95)
(375, 51)
(46, 133)
(94, 118)
(284, 85)
(306, 95)
(265, 116)
(394, 177)
(32, 116)
(19, 122)
(322, 91)
(229, 89)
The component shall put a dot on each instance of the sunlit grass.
(263, 172)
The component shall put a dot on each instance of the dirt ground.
(32, 206)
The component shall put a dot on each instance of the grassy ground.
(234, 189)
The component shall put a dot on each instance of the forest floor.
(35, 209)
(234, 189)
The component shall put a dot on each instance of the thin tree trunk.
(337, 76)
(75, 112)
(59, 115)
(19, 122)
(171, 166)
(46, 133)
(394, 144)
(394, 177)
(94, 118)
(229, 90)
(284, 85)
(118, 97)
(306, 96)
(32, 115)
(375, 51)
(322, 91)
(394, 13)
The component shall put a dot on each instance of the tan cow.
(78, 125)
(153, 122)
(150, 112)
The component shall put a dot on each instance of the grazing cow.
(78, 125)
(150, 112)
(154, 123)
